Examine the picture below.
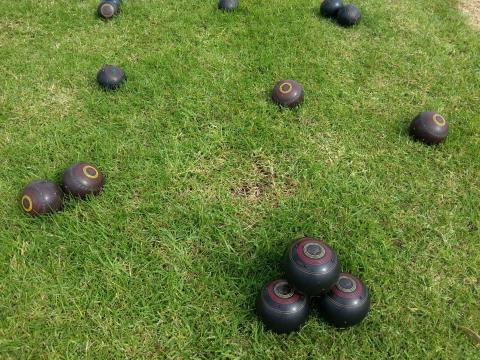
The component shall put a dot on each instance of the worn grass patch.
(472, 9)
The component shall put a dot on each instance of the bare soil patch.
(472, 9)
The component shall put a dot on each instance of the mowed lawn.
(208, 180)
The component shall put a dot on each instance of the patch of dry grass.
(472, 9)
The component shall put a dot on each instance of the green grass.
(208, 181)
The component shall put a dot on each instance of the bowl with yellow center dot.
(288, 93)
(429, 127)
(107, 9)
(82, 179)
(41, 197)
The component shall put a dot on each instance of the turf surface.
(208, 181)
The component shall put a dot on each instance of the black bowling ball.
(429, 127)
(347, 303)
(329, 8)
(228, 5)
(281, 308)
(311, 266)
(111, 77)
(349, 15)
(107, 9)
